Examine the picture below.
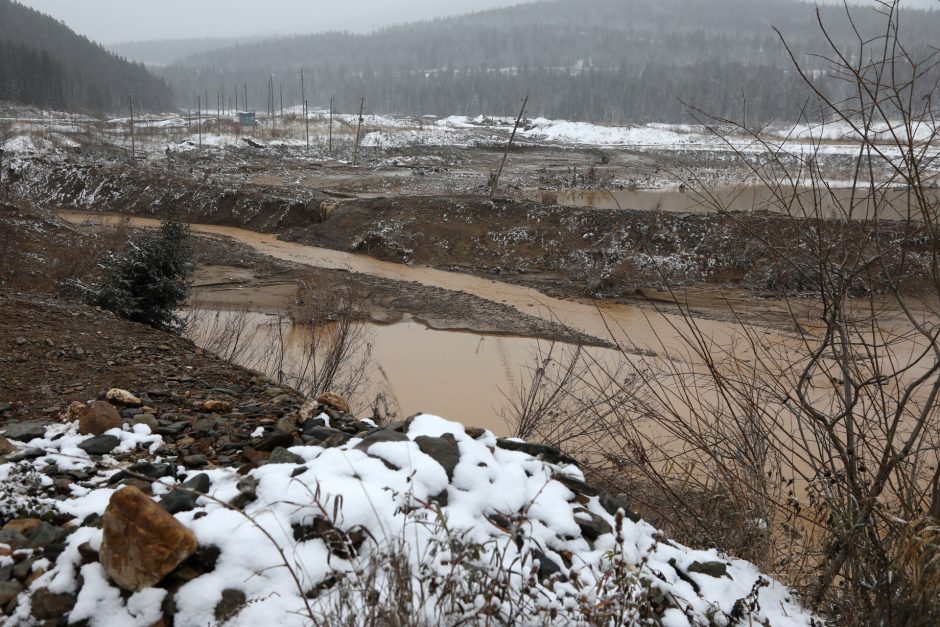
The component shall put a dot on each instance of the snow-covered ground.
(495, 517)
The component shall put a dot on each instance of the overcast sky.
(116, 21)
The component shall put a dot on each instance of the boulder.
(142, 543)
(98, 417)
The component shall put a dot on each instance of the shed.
(247, 118)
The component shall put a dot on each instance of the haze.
(114, 21)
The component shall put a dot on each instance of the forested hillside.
(44, 63)
(603, 60)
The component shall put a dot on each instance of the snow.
(388, 493)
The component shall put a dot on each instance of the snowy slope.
(514, 534)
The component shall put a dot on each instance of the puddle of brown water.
(456, 375)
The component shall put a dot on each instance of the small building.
(247, 118)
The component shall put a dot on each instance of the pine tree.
(150, 280)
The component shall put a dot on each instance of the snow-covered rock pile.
(423, 519)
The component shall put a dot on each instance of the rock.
(232, 601)
(275, 440)
(20, 341)
(308, 410)
(198, 483)
(247, 492)
(381, 435)
(443, 450)
(176, 501)
(49, 606)
(99, 417)
(5, 407)
(184, 500)
(172, 429)
(475, 432)
(100, 445)
(281, 455)
(548, 567)
(712, 569)
(9, 590)
(615, 503)
(74, 410)
(577, 486)
(25, 431)
(325, 437)
(592, 526)
(22, 525)
(195, 461)
(204, 426)
(145, 419)
(25, 455)
(153, 470)
(218, 407)
(335, 401)
(44, 535)
(123, 397)
(142, 543)
(14, 539)
(544, 452)
(6, 447)
(287, 424)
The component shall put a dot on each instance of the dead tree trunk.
(362, 104)
(130, 101)
(495, 182)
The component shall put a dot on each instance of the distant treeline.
(44, 63)
(603, 60)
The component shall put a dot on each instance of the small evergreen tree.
(150, 280)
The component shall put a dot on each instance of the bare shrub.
(813, 450)
(335, 346)
(320, 345)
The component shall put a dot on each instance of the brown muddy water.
(838, 202)
(463, 376)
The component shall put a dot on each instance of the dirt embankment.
(113, 185)
(563, 251)
(606, 253)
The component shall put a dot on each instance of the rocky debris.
(99, 417)
(340, 497)
(142, 543)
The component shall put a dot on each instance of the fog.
(114, 21)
